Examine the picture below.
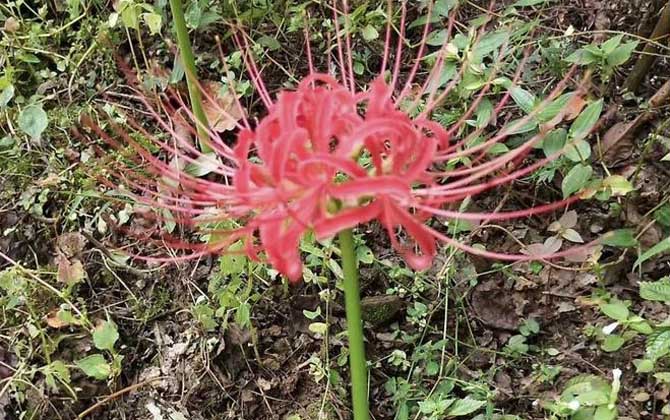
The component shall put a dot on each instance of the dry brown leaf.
(222, 111)
(617, 144)
(70, 272)
(11, 25)
(54, 321)
(71, 244)
(574, 107)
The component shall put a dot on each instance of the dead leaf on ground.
(71, 244)
(70, 271)
(495, 306)
(221, 108)
(617, 144)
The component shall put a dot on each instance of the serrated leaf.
(658, 290)
(464, 407)
(95, 366)
(576, 179)
(33, 121)
(105, 336)
(583, 125)
(659, 248)
(622, 238)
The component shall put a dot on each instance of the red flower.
(328, 157)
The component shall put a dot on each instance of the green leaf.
(659, 248)
(524, 3)
(621, 54)
(488, 44)
(154, 22)
(658, 345)
(582, 57)
(369, 33)
(465, 406)
(662, 215)
(586, 120)
(576, 179)
(611, 44)
(554, 141)
(612, 343)
(320, 328)
(643, 365)
(129, 15)
(548, 112)
(33, 121)
(105, 336)
(618, 184)
(605, 412)
(617, 311)
(578, 151)
(524, 99)
(621, 238)
(6, 95)
(484, 113)
(95, 366)
(269, 42)
(658, 290)
(437, 38)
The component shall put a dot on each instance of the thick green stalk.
(188, 62)
(352, 300)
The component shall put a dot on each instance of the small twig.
(115, 395)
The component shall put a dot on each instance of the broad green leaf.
(547, 113)
(662, 215)
(658, 345)
(6, 95)
(464, 407)
(105, 336)
(657, 290)
(95, 366)
(611, 44)
(369, 33)
(488, 44)
(269, 42)
(617, 311)
(605, 412)
(578, 150)
(33, 121)
(659, 248)
(484, 113)
(621, 54)
(622, 238)
(437, 38)
(643, 365)
(154, 22)
(618, 184)
(576, 179)
(582, 57)
(588, 118)
(612, 343)
(320, 328)
(524, 99)
(554, 141)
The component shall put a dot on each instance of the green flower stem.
(352, 300)
(191, 75)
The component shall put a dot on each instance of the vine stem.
(188, 61)
(352, 301)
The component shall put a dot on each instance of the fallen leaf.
(70, 272)
(222, 110)
(54, 321)
(11, 25)
(617, 144)
(71, 244)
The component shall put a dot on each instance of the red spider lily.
(328, 156)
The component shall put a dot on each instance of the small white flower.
(573, 405)
(616, 374)
(609, 329)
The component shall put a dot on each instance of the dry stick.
(115, 395)
(649, 52)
